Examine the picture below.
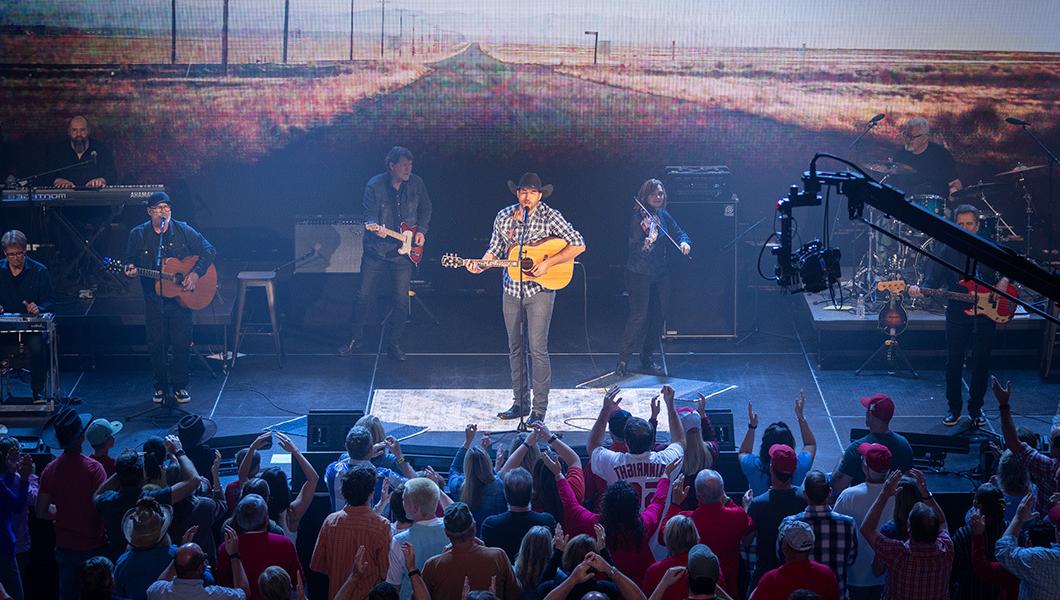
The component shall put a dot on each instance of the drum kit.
(887, 259)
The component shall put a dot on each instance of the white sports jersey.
(642, 470)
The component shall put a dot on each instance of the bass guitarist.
(167, 322)
(963, 331)
(526, 304)
(391, 199)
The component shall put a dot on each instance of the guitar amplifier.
(326, 428)
(330, 243)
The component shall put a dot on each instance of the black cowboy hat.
(532, 182)
(194, 430)
(64, 426)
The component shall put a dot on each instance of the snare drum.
(931, 202)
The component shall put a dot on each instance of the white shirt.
(191, 589)
(855, 502)
(642, 470)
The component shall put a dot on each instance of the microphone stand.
(1053, 163)
(872, 125)
(25, 181)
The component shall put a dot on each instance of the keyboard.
(111, 195)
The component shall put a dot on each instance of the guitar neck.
(962, 296)
(489, 263)
(155, 274)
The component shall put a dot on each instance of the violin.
(650, 225)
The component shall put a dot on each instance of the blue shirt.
(1038, 569)
(491, 501)
(335, 470)
(758, 476)
(137, 569)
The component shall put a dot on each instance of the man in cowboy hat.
(528, 222)
(194, 431)
(65, 497)
(391, 199)
(145, 526)
(167, 322)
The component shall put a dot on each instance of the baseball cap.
(877, 456)
(99, 430)
(881, 406)
(616, 423)
(782, 458)
(157, 198)
(689, 419)
(797, 534)
(458, 518)
(703, 563)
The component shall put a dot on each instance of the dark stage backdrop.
(254, 126)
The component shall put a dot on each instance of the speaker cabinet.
(703, 287)
(330, 243)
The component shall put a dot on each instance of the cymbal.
(1020, 169)
(973, 190)
(890, 168)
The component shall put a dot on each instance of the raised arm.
(563, 451)
(516, 457)
(596, 435)
(747, 446)
(1008, 426)
(872, 520)
(809, 442)
(927, 498)
(190, 483)
(395, 448)
(305, 495)
(629, 590)
(677, 433)
(248, 458)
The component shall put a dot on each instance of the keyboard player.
(25, 288)
(79, 146)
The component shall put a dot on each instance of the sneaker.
(950, 419)
(394, 352)
(621, 368)
(158, 396)
(978, 421)
(649, 366)
(182, 396)
(514, 412)
(536, 417)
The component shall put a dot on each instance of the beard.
(79, 144)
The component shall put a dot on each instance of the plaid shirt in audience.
(916, 570)
(1037, 568)
(1043, 470)
(545, 222)
(836, 540)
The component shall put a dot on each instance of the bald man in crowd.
(79, 146)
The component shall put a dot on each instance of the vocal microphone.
(526, 214)
(95, 160)
(877, 119)
(1015, 121)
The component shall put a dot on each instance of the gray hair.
(919, 124)
(14, 238)
(252, 513)
(710, 487)
(1012, 474)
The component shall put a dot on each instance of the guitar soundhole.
(527, 264)
(178, 278)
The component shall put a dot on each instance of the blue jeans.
(528, 325)
(10, 576)
(70, 563)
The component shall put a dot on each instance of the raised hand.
(433, 475)
(600, 537)
(672, 576)
(752, 416)
(360, 563)
(1003, 394)
(172, 444)
(670, 468)
(551, 464)
(656, 408)
(976, 522)
(469, 434)
(668, 394)
(1025, 512)
(611, 400)
(800, 402)
(260, 441)
(231, 541)
(410, 555)
(679, 492)
(560, 539)
(189, 535)
(890, 487)
(542, 430)
(25, 467)
(921, 482)
(583, 572)
(393, 445)
(701, 406)
(597, 562)
(286, 443)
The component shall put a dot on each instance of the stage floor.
(466, 352)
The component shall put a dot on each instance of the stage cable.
(267, 399)
(585, 313)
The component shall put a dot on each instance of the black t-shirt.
(767, 511)
(31, 285)
(506, 530)
(62, 154)
(935, 169)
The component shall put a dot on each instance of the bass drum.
(932, 203)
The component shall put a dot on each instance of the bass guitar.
(986, 302)
(169, 280)
(405, 236)
(557, 277)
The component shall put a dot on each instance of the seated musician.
(79, 146)
(25, 288)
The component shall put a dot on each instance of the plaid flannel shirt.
(1037, 568)
(544, 222)
(835, 540)
(1043, 471)
(916, 570)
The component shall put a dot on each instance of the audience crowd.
(531, 520)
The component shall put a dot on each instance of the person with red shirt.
(65, 497)
(259, 549)
(681, 536)
(798, 572)
(721, 524)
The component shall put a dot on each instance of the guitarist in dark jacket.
(390, 199)
(963, 331)
(167, 322)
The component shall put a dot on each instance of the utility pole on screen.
(382, 29)
(173, 32)
(286, 22)
(224, 41)
(596, 42)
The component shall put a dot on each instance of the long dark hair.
(279, 491)
(904, 501)
(776, 433)
(990, 501)
(154, 458)
(546, 496)
(648, 188)
(620, 516)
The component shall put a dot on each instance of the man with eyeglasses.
(936, 170)
(25, 288)
(168, 323)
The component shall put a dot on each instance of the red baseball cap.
(881, 406)
(877, 457)
(783, 459)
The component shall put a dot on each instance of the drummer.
(936, 170)
(25, 288)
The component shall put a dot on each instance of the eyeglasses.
(912, 137)
(15, 254)
(160, 208)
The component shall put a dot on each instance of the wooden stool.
(262, 279)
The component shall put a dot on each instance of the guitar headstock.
(452, 261)
(898, 286)
(112, 265)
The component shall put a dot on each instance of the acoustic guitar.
(987, 303)
(557, 277)
(169, 280)
(405, 236)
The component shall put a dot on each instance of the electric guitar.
(169, 280)
(557, 277)
(405, 236)
(987, 303)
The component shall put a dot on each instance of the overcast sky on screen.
(1027, 25)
